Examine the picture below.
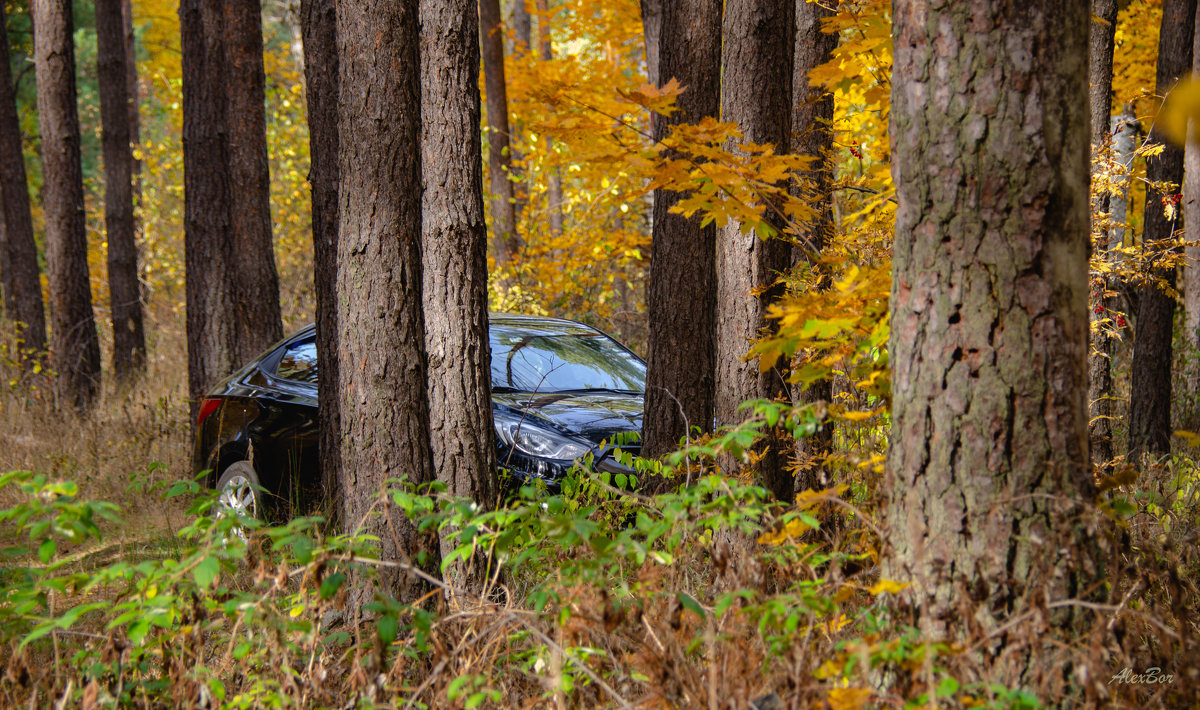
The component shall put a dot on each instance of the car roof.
(537, 325)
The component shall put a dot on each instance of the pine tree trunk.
(454, 240)
(21, 275)
(681, 293)
(129, 340)
(504, 215)
(75, 346)
(1150, 386)
(318, 25)
(211, 275)
(257, 301)
(1100, 72)
(989, 339)
(381, 332)
(812, 134)
(756, 92)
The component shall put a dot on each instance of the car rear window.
(299, 362)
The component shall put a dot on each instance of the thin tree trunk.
(211, 275)
(75, 346)
(756, 89)
(132, 91)
(129, 340)
(988, 456)
(454, 240)
(812, 134)
(504, 215)
(318, 25)
(21, 276)
(1100, 72)
(681, 293)
(1191, 271)
(1150, 387)
(257, 302)
(522, 26)
(381, 331)
(554, 191)
(652, 28)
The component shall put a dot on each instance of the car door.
(286, 432)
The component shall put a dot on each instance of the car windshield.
(560, 362)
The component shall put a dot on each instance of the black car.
(559, 390)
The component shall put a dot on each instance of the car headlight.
(537, 441)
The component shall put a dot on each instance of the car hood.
(593, 416)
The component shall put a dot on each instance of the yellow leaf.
(888, 586)
(848, 698)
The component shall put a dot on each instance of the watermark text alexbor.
(1148, 676)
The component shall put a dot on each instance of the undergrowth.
(709, 596)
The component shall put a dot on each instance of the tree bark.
(381, 331)
(1191, 271)
(318, 26)
(129, 340)
(133, 92)
(652, 27)
(504, 215)
(522, 25)
(1100, 72)
(756, 90)
(812, 134)
(1150, 386)
(211, 275)
(454, 240)
(21, 275)
(75, 346)
(681, 293)
(989, 296)
(554, 191)
(259, 320)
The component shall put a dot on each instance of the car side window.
(299, 362)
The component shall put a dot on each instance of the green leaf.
(138, 630)
(387, 627)
(690, 604)
(206, 571)
(331, 584)
(241, 650)
(46, 550)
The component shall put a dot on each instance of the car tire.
(238, 490)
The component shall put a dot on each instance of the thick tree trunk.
(1100, 73)
(756, 92)
(75, 347)
(21, 276)
(504, 214)
(681, 293)
(211, 274)
(989, 327)
(454, 240)
(259, 319)
(812, 134)
(318, 25)
(129, 340)
(1150, 386)
(384, 410)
